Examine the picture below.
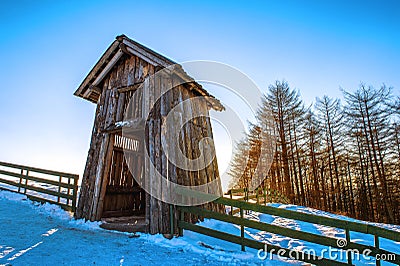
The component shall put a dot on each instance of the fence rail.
(347, 226)
(260, 195)
(40, 184)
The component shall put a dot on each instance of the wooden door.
(124, 197)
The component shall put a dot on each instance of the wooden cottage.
(109, 192)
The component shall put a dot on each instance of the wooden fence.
(341, 244)
(40, 184)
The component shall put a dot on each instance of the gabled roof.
(89, 89)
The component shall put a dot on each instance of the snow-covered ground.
(34, 234)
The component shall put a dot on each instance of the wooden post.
(348, 254)
(59, 190)
(171, 219)
(376, 238)
(69, 190)
(265, 197)
(75, 193)
(242, 231)
(181, 218)
(257, 196)
(230, 193)
(20, 180)
(26, 180)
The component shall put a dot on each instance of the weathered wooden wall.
(111, 106)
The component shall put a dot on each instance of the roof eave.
(97, 68)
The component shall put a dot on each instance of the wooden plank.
(133, 87)
(130, 70)
(120, 108)
(210, 157)
(142, 54)
(167, 169)
(108, 67)
(196, 136)
(155, 101)
(99, 65)
(154, 208)
(106, 173)
(187, 178)
(99, 177)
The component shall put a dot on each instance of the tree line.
(333, 156)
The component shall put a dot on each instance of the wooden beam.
(108, 67)
(96, 68)
(92, 89)
(130, 88)
(141, 53)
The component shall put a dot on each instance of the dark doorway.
(124, 196)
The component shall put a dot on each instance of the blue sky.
(48, 47)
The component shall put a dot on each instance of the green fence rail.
(348, 226)
(260, 196)
(40, 184)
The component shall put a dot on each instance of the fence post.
(75, 193)
(20, 180)
(231, 196)
(376, 239)
(26, 180)
(171, 217)
(348, 254)
(59, 189)
(242, 231)
(68, 190)
(265, 197)
(258, 202)
(181, 218)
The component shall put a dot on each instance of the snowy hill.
(34, 234)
